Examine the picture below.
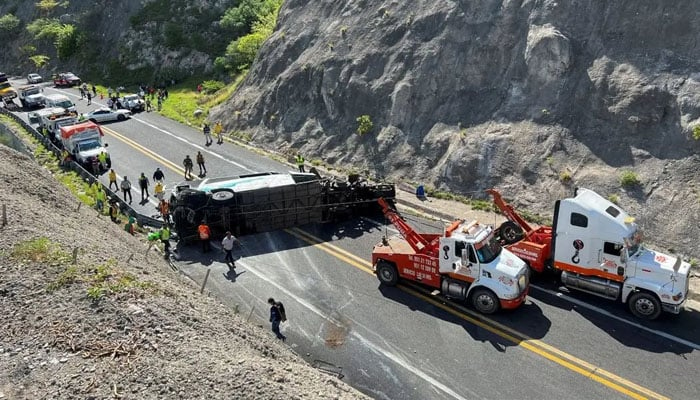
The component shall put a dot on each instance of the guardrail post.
(206, 277)
(4, 215)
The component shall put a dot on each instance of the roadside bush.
(364, 124)
(629, 178)
(39, 60)
(9, 25)
(565, 176)
(210, 87)
(696, 132)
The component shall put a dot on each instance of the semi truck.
(596, 247)
(83, 142)
(465, 263)
(267, 201)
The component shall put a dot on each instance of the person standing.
(165, 238)
(113, 179)
(89, 97)
(100, 198)
(143, 184)
(126, 189)
(164, 209)
(300, 162)
(276, 317)
(187, 162)
(158, 175)
(200, 164)
(218, 131)
(159, 190)
(102, 158)
(207, 134)
(94, 91)
(113, 210)
(227, 244)
(204, 236)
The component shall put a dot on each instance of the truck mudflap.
(514, 303)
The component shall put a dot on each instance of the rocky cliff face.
(533, 97)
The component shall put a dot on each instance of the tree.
(9, 25)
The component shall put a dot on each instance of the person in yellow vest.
(165, 238)
(218, 130)
(100, 198)
(300, 162)
(159, 190)
(113, 179)
(102, 158)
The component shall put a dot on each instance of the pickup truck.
(66, 79)
(31, 96)
(133, 103)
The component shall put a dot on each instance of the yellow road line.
(538, 347)
(149, 153)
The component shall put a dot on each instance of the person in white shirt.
(227, 244)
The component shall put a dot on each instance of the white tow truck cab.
(598, 247)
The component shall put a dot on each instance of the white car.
(34, 78)
(105, 114)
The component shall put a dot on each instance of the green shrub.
(210, 87)
(9, 25)
(565, 176)
(696, 132)
(364, 124)
(39, 60)
(629, 178)
(613, 198)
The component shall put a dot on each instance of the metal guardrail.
(125, 208)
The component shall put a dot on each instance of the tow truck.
(465, 263)
(596, 247)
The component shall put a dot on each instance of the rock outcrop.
(534, 97)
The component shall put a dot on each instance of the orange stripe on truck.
(588, 271)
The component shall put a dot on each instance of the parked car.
(34, 78)
(105, 114)
(66, 79)
(133, 103)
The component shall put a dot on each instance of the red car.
(67, 79)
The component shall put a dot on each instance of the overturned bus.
(269, 201)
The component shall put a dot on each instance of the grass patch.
(183, 100)
(613, 198)
(629, 178)
(107, 279)
(565, 176)
(40, 250)
(69, 276)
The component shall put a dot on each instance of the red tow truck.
(465, 263)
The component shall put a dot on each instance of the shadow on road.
(685, 325)
(527, 320)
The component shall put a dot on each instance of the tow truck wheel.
(485, 301)
(387, 274)
(644, 305)
(511, 232)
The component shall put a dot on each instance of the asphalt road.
(403, 343)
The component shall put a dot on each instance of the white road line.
(615, 317)
(396, 358)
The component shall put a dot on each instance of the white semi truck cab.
(598, 247)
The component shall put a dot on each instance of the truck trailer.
(596, 247)
(269, 201)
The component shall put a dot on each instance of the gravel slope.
(149, 335)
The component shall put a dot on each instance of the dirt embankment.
(110, 327)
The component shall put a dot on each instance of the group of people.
(189, 165)
(87, 93)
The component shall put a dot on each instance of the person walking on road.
(143, 184)
(113, 179)
(158, 175)
(204, 236)
(227, 244)
(300, 162)
(187, 162)
(218, 131)
(126, 189)
(207, 134)
(89, 97)
(200, 163)
(277, 316)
